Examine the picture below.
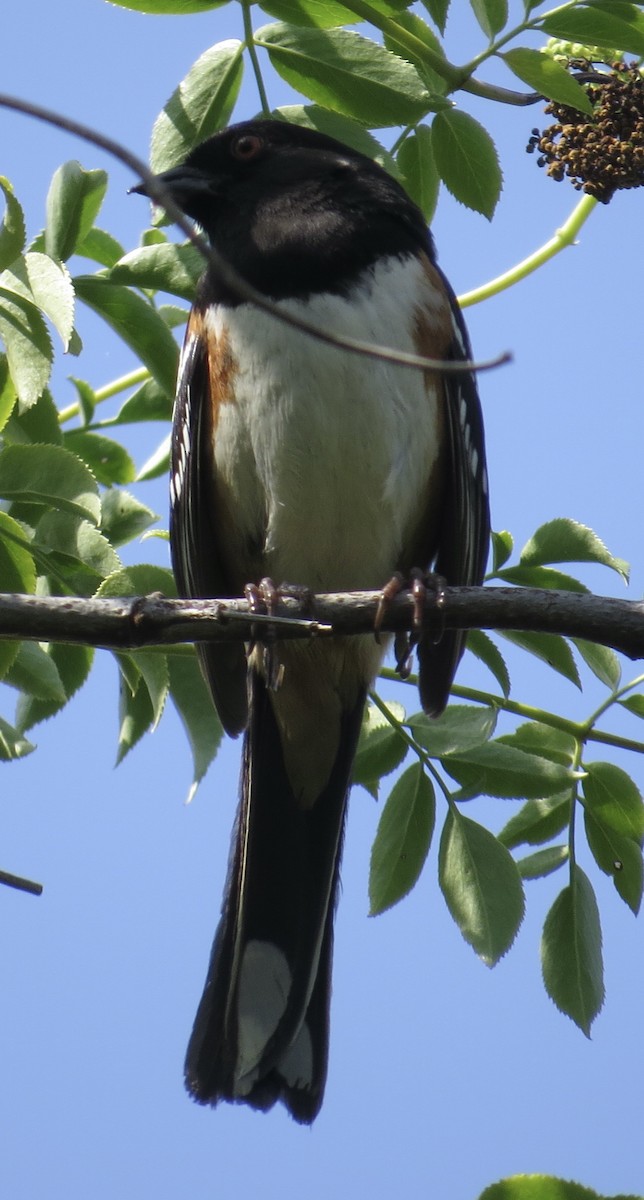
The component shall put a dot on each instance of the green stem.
(411, 743)
(252, 54)
(105, 393)
(565, 236)
(416, 48)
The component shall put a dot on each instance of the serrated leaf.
(619, 857)
(38, 279)
(78, 540)
(12, 743)
(27, 344)
(150, 402)
(381, 748)
(8, 396)
(346, 72)
(166, 267)
(467, 161)
(153, 665)
(541, 577)
(325, 14)
(481, 885)
(614, 799)
(17, 574)
(108, 460)
(418, 169)
(597, 27)
(123, 517)
(536, 738)
(543, 862)
(191, 698)
(73, 664)
(459, 728)
(571, 952)
(100, 247)
(12, 230)
(412, 23)
(140, 580)
(35, 672)
(550, 648)
(49, 475)
(402, 840)
(502, 547)
(200, 106)
(136, 322)
(73, 203)
(488, 653)
(36, 424)
(437, 10)
(492, 15)
(495, 769)
(136, 716)
(345, 129)
(564, 540)
(548, 77)
(603, 661)
(157, 464)
(537, 821)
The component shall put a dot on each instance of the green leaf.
(325, 14)
(571, 952)
(73, 664)
(150, 402)
(613, 799)
(79, 541)
(603, 661)
(36, 424)
(537, 738)
(170, 8)
(548, 77)
(619, 857)
(28, 345)
(418, 170)
(543, 862)
(346, 72)
(414, 24)
(165, 267)
(8, 396)
(437, 10)
(35, 672)
(634, 704)
(495, 769)
(537, 821)
(136, 322)
(36, 278)
(488, 652)
(543, 1187)
(12, 230)
(345, 129)
(598, 27)
(564, 540)
(402, 840)
(502, 547)
(143, 579)
(157, 464)
(108, 460)
(191, 698)
(459, 728)
(136, 716)
(73, 203)
(153, 665)
(481, 886)
(467, 161)
(123, 517)
(381, 748)
(492, 15)
(541, 577)
(12, 743)
(17, 574)
(49, 475)
(100, 247)
(86, 398)
(200, 105)
(550, 648)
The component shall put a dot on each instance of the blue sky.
(443, 1076)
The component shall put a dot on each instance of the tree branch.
(154, 621)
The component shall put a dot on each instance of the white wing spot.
(474, 461)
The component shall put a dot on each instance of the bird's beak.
(186, 185)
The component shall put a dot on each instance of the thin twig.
(22, 885)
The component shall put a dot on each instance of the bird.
(297, 461)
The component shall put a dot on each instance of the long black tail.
(261, 1030)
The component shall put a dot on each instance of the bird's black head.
(294, 211)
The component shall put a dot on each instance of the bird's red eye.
(246, 146)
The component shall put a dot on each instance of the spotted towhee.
(299, 461)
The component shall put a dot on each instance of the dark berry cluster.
(603, 153)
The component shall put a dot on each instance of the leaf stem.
(252, 54)
(564, 236)
(105, 393)
(411, 743)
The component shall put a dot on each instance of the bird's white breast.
(329, 451)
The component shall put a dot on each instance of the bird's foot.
(418, 583)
